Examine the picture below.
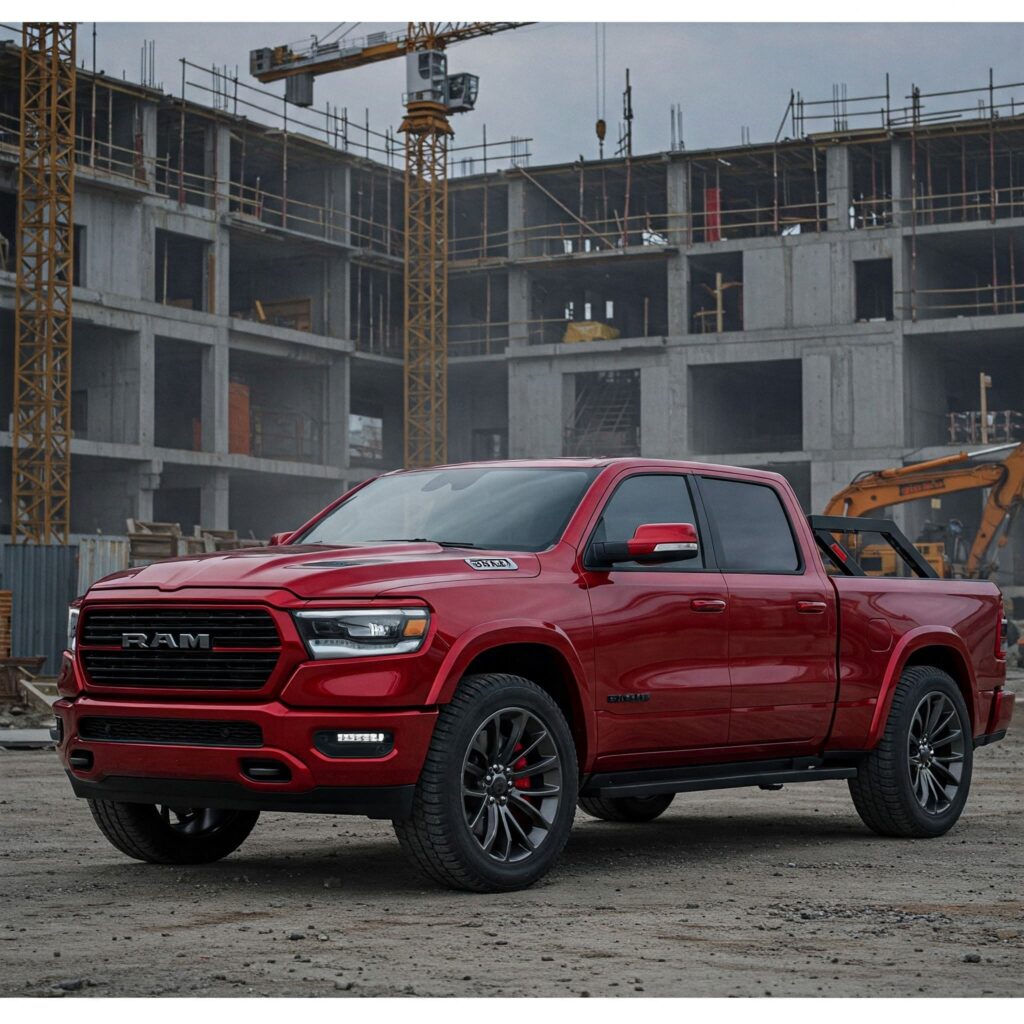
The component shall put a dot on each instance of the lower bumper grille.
(185, 732)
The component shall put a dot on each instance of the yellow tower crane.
(432, 95)
(41, 437)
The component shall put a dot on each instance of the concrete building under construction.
(820, 304)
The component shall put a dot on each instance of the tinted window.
(496, 507)
(647, 499)
(751, 525)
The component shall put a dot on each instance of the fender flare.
(500, 633)
(911, 641)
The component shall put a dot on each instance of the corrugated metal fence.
(43, 579)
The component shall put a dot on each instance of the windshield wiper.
(426, 540)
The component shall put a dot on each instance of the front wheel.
(495, 800)
(172, 835)
(915, 782)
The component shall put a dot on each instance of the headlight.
(72, 627)
(358, 632)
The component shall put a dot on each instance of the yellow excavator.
(870, 492)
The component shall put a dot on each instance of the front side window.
(658, 498)
(498, 508)
(753, 532)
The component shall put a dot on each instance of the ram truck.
(474, 651)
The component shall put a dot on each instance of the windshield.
(499, 507)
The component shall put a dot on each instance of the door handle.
(811, 607)
(707, 604)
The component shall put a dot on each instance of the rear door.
(661, 634)
(782, 628)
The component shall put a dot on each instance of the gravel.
(818, 905)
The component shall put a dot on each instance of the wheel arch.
(941, 649)
(543, 655)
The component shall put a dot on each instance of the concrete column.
(516, 218)
(147, 383)
(817, 401)
(537, 397)
(838, 187)
(214, 497)
(902, 182)
(678, 283)
(518, 306)
(148, 480)
(655, 442)
(147, 128)
(678, 199)
(518, 283)
(218, 284)
(336, 406)
(336, 201)
(215, 396)
(337, 295)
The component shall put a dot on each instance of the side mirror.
(652, 543)
(280, 538)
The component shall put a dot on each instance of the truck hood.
(317, 571)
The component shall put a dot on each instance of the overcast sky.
(539, 81)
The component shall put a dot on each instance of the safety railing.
(983, 204)
(974, 300)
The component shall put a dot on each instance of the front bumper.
(214, 776)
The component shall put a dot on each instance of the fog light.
(354, 744)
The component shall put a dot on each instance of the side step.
(653, 781)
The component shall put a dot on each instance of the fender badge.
(483, 564)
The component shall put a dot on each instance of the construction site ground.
(734, 893)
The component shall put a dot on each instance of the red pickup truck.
(475, 650)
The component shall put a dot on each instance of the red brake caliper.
(523, 783)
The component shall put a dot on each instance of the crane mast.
(41, 436)
(432, 96)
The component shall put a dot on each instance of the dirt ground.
(740, 892)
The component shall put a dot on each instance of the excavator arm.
(1003, 502)
(871, 492)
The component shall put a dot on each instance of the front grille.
(184, 732)
(228, 628)
(244, 646)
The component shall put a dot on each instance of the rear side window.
(751, 527)
(660, 498)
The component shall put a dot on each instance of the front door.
(782, 639)
(661, 637)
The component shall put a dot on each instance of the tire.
(162, 835)
(626, 808)
(504, 839)
(892, 791)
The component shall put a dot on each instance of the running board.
(654, 781)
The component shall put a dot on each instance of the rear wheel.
(627, 808)
(915, 782)
(172, 835)
(495, 800)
